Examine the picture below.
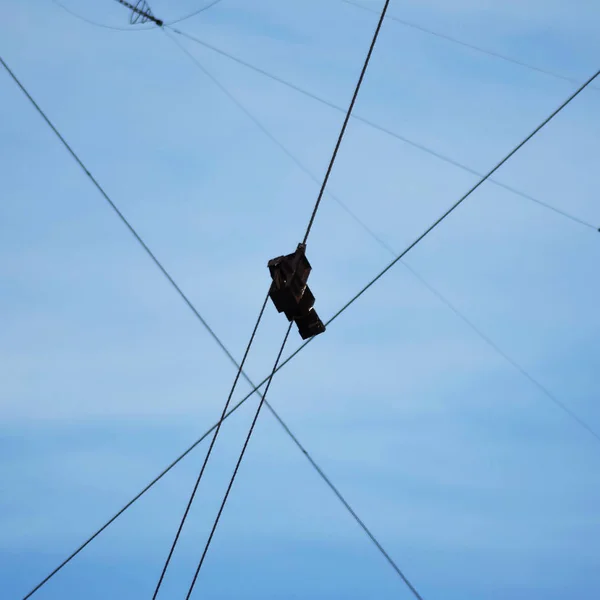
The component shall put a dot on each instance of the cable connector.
(141, 13)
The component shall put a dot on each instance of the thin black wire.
(384, 245)
(117, 211)
(199, 316)
(210, 449)
(448, 38)
(347, 118)
(383, 129)
(255, 388)
(339, 108)
(399, 257)
(239, 462)
(387, 247)
(139, 239)
(349, 508)
(308, 229)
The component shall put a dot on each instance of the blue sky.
(475, 483)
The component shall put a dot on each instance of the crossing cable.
(335, 316)
(255, 388)
(308, 229)
(368, 122)
(388, 248)
(347, 119)
(280, 353)
(454, 40)
(383, 129)
(382, 243)
(291, 356)
(209, 452)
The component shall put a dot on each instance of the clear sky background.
(473, 480)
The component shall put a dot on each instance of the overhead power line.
(335, 316)
(387, 247)
(411, 246)
(204, 323)
(383, 129)
(347, 117)
(382, 243)
(454, 40)
(379, 240)
(280, 353)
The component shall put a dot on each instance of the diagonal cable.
(368, 122)
(383, 129)
(454, 40)
(347, 118)
(255, 388)
(291, 356)
(335, 316)
(542, 388)
(347, 506)
(382, 243)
